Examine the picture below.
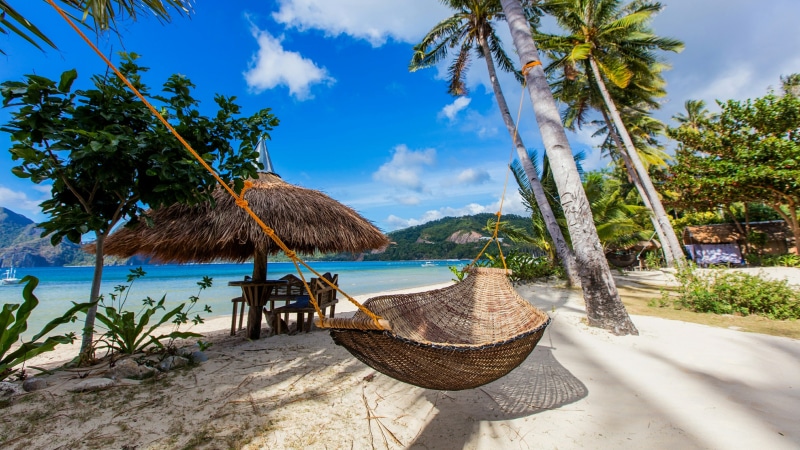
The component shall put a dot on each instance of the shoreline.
(676, 385)
(217, 324)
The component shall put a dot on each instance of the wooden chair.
(236, 302)
(326, 298)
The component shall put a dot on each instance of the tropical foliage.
(471, 29)
(130, 332)
(104, 14)
(15, 351)
(750, 152)
(609, 63)
(618, 217)
(724, 292)
(108, 157)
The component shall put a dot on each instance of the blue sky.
(355, 123)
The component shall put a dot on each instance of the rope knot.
(290, 254)
(241, 203)
(527, 67)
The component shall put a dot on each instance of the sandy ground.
(676, 385)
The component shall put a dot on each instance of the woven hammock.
(459, 337)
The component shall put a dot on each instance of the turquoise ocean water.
(60, 286)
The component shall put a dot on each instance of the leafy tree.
(102, 12)
(604, 307)
(107, 156)
(471, 29)
(749, 153)
(614, 45)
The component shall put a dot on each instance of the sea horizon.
(59, 287)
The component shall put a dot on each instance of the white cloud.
(374, 21)
(720, 64)
(405, 168)
(473, 176)
(410, 200)
(274, 66)
(20, 203)
(450, 111)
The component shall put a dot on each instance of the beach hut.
(724, 243)
(306, 220)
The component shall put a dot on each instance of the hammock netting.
(459, 337)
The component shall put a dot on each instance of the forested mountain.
(446, 238)
(22, 246)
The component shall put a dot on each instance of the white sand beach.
(676, 385)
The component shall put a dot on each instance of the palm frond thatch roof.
(305, 220)
(728, 233)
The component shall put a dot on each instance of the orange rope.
(499, 213)
(527, 67)
(240, 201)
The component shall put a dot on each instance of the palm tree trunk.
(637, 182)
(671, 243)
(562, 249)
(603, 306)
(86, 354)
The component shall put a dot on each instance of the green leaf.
(65, 84)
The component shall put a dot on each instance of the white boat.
(10, 277)
(428, 264)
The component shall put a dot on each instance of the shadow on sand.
(540, 383)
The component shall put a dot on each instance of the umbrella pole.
(259, 299)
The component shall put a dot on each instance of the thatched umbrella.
(304, 219)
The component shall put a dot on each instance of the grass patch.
(639, 300)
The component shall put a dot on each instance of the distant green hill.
(446, 238)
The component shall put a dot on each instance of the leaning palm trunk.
(603, 305)
(669, 240)
(637, 182)
(562, 249)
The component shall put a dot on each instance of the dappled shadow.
(540, 383)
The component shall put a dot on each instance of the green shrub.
(787, 260)
(12, 327)
(724, 292)
(525, 267)
(128, 332)
(652, 260)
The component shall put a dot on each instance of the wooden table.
(256, 294)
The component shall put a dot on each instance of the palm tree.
(471, 29)
(696, 114)
(618, 219)
(604, 308)
(539, 237)
(104, 13)
(614, 43)
(574, 88)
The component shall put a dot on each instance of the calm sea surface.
(60, 286)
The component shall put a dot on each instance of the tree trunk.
(87, 349)
(671, 243)
(637, 182)
(562, 249)
(603, 306)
